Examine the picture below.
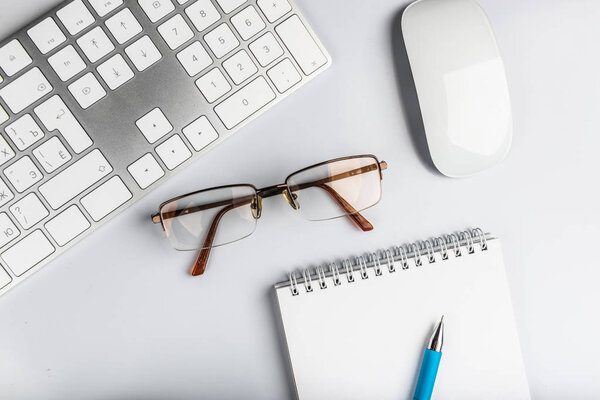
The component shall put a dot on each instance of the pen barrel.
(429, 369)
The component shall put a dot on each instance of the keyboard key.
(115, 71)
(5, 278)
(173, 152)
(8, 230)
(75, 179)
(6, 194)
(154, 125)
(143, 53)
(23, 174)
(301, 44)
(284, 75)
(3, 115)
(123, 25)
(6, 152)
(194, 59)
(274, 9)
(87, 90)
(266, 49)
(29, 211)
(106, 198)
(213, 85)
(146, 171)
(25, 90)
(67, 225)
(221, 40)
(75, 17)
(67, 63)
(46, 35)
(95, 44)
(175, 32)
(156, 9)
(24, 132)
(245, 102)
(54, 114)
(200, 133)
(52, 154)
(103, 7)
(230, 5)
(25, 254)
(13, 57)
(248, 23)
(203, 14)
(240, 67)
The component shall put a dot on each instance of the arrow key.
(143, 53)
(115, 71)
(146, 171)
(95, 44)
(123, 26)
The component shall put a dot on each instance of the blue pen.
(431, 362)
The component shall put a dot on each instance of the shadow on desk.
(408, 93)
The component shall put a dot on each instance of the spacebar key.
(245, 102)
(79, 176)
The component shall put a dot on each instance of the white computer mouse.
(461, 84)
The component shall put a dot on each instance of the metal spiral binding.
(417, 253)
(321, 275)
(455, 244)
(372, 263)
(376, 264)
(430, 253)
(364, 273)
(441, 243)
(349, 271)
(390, 261)
(335, 274)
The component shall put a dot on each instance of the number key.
(213, 85)
(194, 58)
(203, 14)
(266, 49)
(221, 40)
(175, 32)
(248, 23)
(240, 67)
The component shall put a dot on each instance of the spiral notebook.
(357, 329)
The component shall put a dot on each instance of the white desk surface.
(118, 316)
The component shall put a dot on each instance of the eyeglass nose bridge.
(282, 189)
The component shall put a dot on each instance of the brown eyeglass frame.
(255, 202)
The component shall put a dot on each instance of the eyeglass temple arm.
(354, 216)
(202, 260)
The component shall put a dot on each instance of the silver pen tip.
(436, 342)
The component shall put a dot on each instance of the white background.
(118, 317)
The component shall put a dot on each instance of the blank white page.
(365, 340)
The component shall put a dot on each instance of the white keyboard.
(102, 100)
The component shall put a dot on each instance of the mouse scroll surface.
(461, 84)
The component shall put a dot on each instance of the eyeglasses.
(331, 189)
